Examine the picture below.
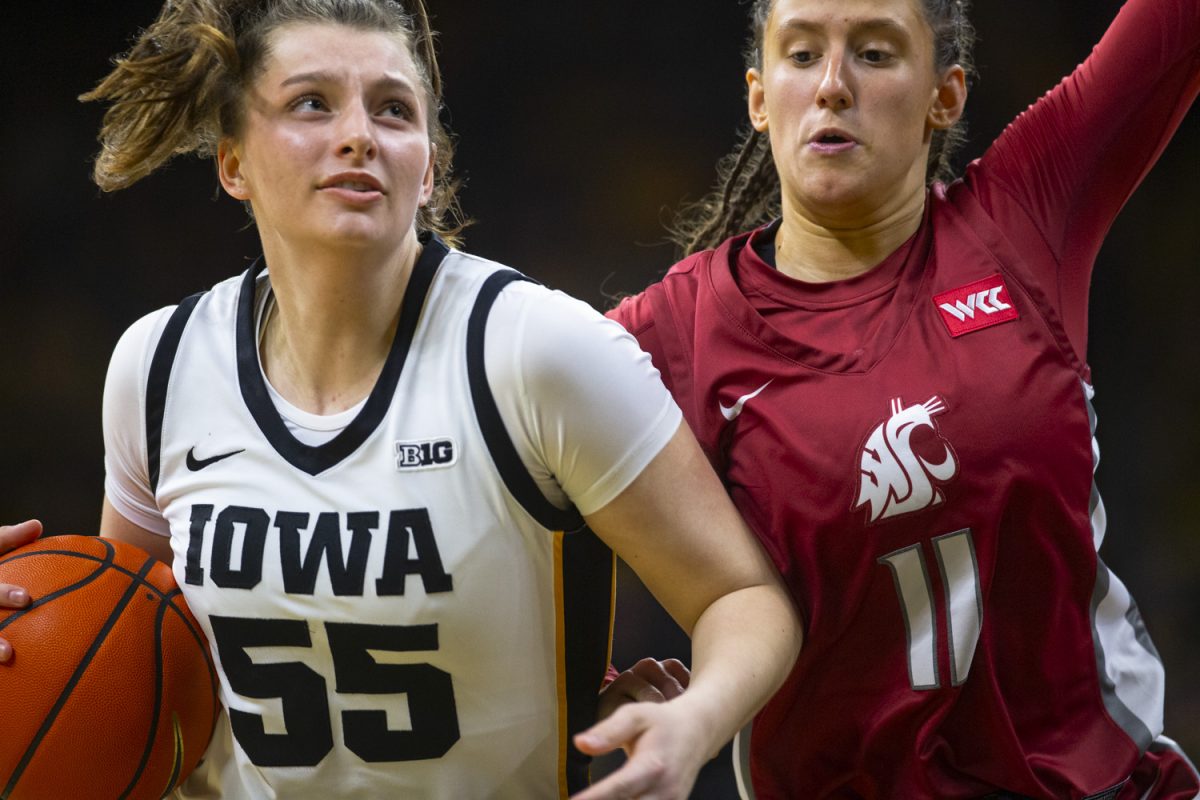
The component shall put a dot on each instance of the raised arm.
(676, 527)
(1059, 174)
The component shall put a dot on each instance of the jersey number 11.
(959, 571)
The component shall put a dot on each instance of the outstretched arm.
(676, 527)
(1059, 174)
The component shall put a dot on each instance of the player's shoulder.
(132, 350)
(520, 299)
(549, 320)
(141, 338)
(675, 294)
(459, 266)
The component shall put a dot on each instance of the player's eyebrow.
(386, 81)
(873, 24)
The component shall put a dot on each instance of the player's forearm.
(743, 647)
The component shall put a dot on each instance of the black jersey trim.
(589, 572)
(504, 453)
(763, 243)
(158, 380)
(310, 459)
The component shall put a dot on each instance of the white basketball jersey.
(397, 612)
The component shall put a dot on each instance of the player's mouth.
(354, 187)
(829, 141)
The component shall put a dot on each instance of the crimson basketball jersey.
(914, 447)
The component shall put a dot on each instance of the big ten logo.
(425, 455)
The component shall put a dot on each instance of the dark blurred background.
(582, 126)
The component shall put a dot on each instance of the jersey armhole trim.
(156, 384)
(500, 445)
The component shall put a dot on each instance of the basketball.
(111, 691)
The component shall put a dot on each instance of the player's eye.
(398, 109)
(308, 102)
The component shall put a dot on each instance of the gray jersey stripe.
(1127, 664)
(741, 762)
(1129, 669)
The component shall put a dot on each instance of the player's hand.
(667, 746)
(647, 681)
(12, 537)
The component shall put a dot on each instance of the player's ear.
(430, 174)
(949, 99)
(756, 100)
(229, 170)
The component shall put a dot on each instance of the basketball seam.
(160, 614)
(202, 641)
(138, 582)
(105, 564)
(107, 561)
(101, 635)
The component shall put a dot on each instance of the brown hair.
(180, 88)
(747, 193)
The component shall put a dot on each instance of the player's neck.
(820, 250)
(331, 328)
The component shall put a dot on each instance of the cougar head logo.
(894, 479)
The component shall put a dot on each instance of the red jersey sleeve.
(636, 315)
(1057, 176)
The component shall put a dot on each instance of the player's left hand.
(666, 744)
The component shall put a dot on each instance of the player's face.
(334, 147)
(849, 96)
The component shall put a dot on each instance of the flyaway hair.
(180, 88)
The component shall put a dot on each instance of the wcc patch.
(976, 306)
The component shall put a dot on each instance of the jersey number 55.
(309, 736)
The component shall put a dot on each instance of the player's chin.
(360, 231)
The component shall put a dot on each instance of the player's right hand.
(12, 537)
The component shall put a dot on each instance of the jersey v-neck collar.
(740, 271)
(757, 272)
(316, 459)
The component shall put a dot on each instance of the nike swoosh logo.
(731, 412)
(195, 465)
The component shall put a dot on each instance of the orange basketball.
(111, 691)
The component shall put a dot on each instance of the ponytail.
(179, 90)
(173, 93)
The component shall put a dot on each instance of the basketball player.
(890, 372)
(371, 464)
